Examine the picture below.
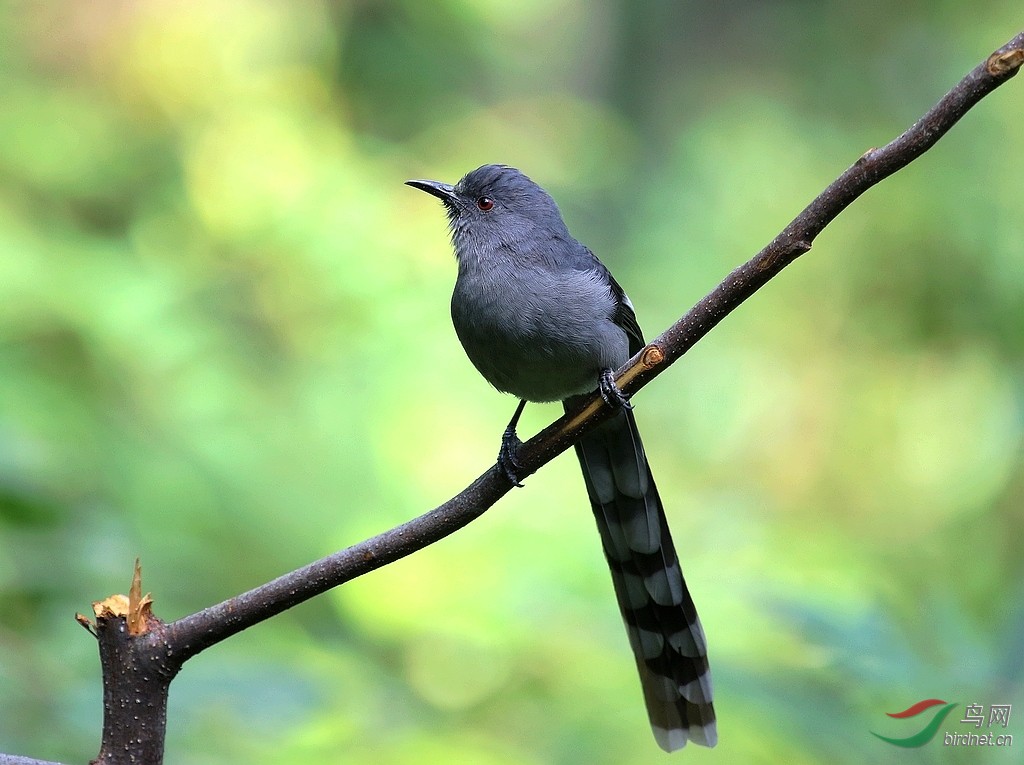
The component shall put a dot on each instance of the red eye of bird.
(484, 203)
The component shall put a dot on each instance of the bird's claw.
(611, 392)
(507, 460)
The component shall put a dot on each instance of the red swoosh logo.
(917, 709)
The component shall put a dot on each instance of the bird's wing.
(623, 315)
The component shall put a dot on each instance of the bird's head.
(495, 203)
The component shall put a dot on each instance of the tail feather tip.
(676, 738)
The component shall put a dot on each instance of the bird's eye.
(484, 203)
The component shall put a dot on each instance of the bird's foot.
(507, 459)
(611, 392)
(510, 443)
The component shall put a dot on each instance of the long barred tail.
(664, 631)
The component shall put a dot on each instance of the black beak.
(443, 191)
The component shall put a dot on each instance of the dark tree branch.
(873, 166)
(138, 669)
(136, 678)
(202, 629)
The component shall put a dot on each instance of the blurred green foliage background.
(225, 348)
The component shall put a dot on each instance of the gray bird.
(542, 318)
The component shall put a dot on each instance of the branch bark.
(138, 669)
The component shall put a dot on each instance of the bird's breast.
(537, 333)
